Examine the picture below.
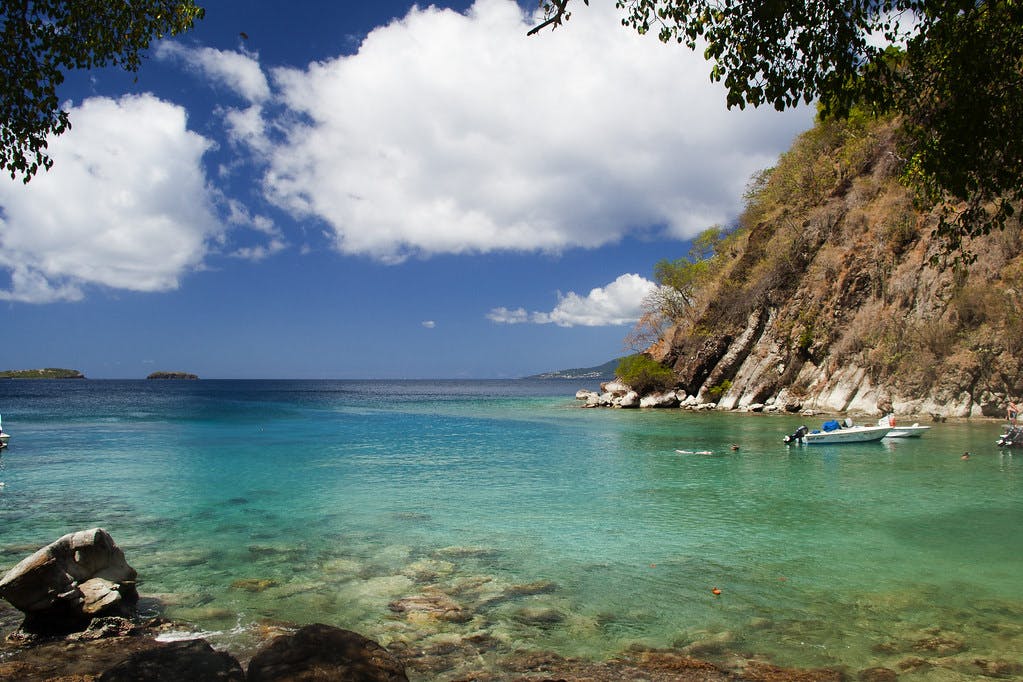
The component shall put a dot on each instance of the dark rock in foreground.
(131, 653)
(192, 659)
(322, 652)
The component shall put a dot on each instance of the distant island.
(605, 371)
(172, 375)
(46, 373)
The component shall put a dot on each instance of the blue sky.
(370, 190)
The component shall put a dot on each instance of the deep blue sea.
(546, 526)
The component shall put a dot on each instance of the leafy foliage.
(644, 374)
(961, 92)
(952, 69)
(681, 279)
(42, 39)
(679, 284)
(719, 390)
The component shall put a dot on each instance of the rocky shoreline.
(617, 394)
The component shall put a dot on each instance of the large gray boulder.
(66, 584)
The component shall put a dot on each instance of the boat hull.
(907, 431)
(855, 434)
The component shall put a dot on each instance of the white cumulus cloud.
(237, 71)
(457, 133)
(125, 205)
(504, 315)
(618, 303)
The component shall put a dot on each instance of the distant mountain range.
(605, 371)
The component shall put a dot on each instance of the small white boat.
(832, 432)
(848, 434)
(914, 431)
(4, 436)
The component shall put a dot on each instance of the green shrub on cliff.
(645, 375)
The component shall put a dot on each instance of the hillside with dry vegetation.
(833, 294)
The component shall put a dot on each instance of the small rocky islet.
(173, 375)
(78, 607)
(44, 373)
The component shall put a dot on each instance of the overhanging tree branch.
(953, 72)
(42, 39)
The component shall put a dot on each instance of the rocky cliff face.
(826, 297)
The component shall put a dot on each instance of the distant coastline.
(45, 373)
(602, 372)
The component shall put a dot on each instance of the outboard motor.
(1013, 438)
(796, 437)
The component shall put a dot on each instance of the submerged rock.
(756, 671)
(940, 643)
(540, 616)
(431, 605)
(253, 584)
(462, 552)
(428, 570)
(530, 589)
(711, 645)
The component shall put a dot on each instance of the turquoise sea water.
(548, 526)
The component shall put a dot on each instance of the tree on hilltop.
(41, 40)
(952, 69)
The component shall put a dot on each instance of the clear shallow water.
(551, 527)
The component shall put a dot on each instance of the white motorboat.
(4, 436)
(833, 432)
(848, 434)
(914, 431)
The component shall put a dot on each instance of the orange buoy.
(716, 591)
